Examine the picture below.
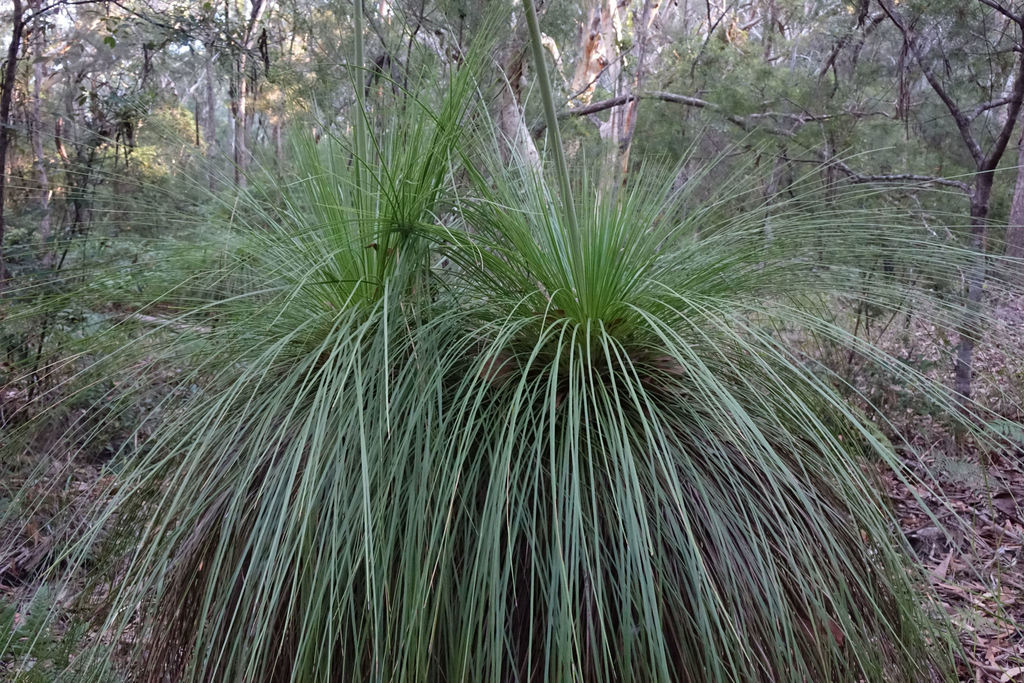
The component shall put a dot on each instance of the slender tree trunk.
(1015, 229)
(240, 93)
(643, 25)
(516, 135)
(613, 15)
(42, 179)
(278, 155)
(771, 191)
(211, 122)
(6, 93)
(241, 155)
(195, 121)
(962, 367)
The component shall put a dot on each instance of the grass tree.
(443, 420)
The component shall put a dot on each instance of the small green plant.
(37, 650)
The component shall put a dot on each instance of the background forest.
(678, 340)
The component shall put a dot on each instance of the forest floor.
(971, 543)
(974, 553)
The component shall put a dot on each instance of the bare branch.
(855, 177)
(747, 123)
(982, 108)
(711, 31)
(699, 104)
(596, 107)
(132, 12)
(962, 122)
(60, 3)
(1015, 18)
(681, 99)
(830, 61)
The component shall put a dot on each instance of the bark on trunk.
(771, 191)
(769, 13)
(613, 15)
(962, 368)
(513, 127)
(6, 93)
(42, 179)
(211, 122)
(613, 26)
(592, 60)
(241, 155)
(278, 151)
(195, 120)
(647, 16)
(1015, 229)
(240, 93)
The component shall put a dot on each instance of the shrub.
(439, 421)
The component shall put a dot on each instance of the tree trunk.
(6, 93)
(769, 13)
(241, 156)
(613, 20)
(592, 58)
(1015, 229)
(517, 137)
(643, 25)
(771, 191)
(195, 121)
(962, 370)
(42, 179)
(211, 122)
(278, 152)
(240, 93)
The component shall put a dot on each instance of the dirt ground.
(972, 543)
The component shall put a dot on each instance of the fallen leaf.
(939, 572)
(1012, 674)
(1005, 502)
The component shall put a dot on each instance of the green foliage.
(428, 431)
(420, 417)
(37, 652)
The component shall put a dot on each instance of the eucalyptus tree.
(1015, 226)
(247, 34)
(823, 81)
(6, 92)
(1000, 86)
(22, 19)
(39, 73)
